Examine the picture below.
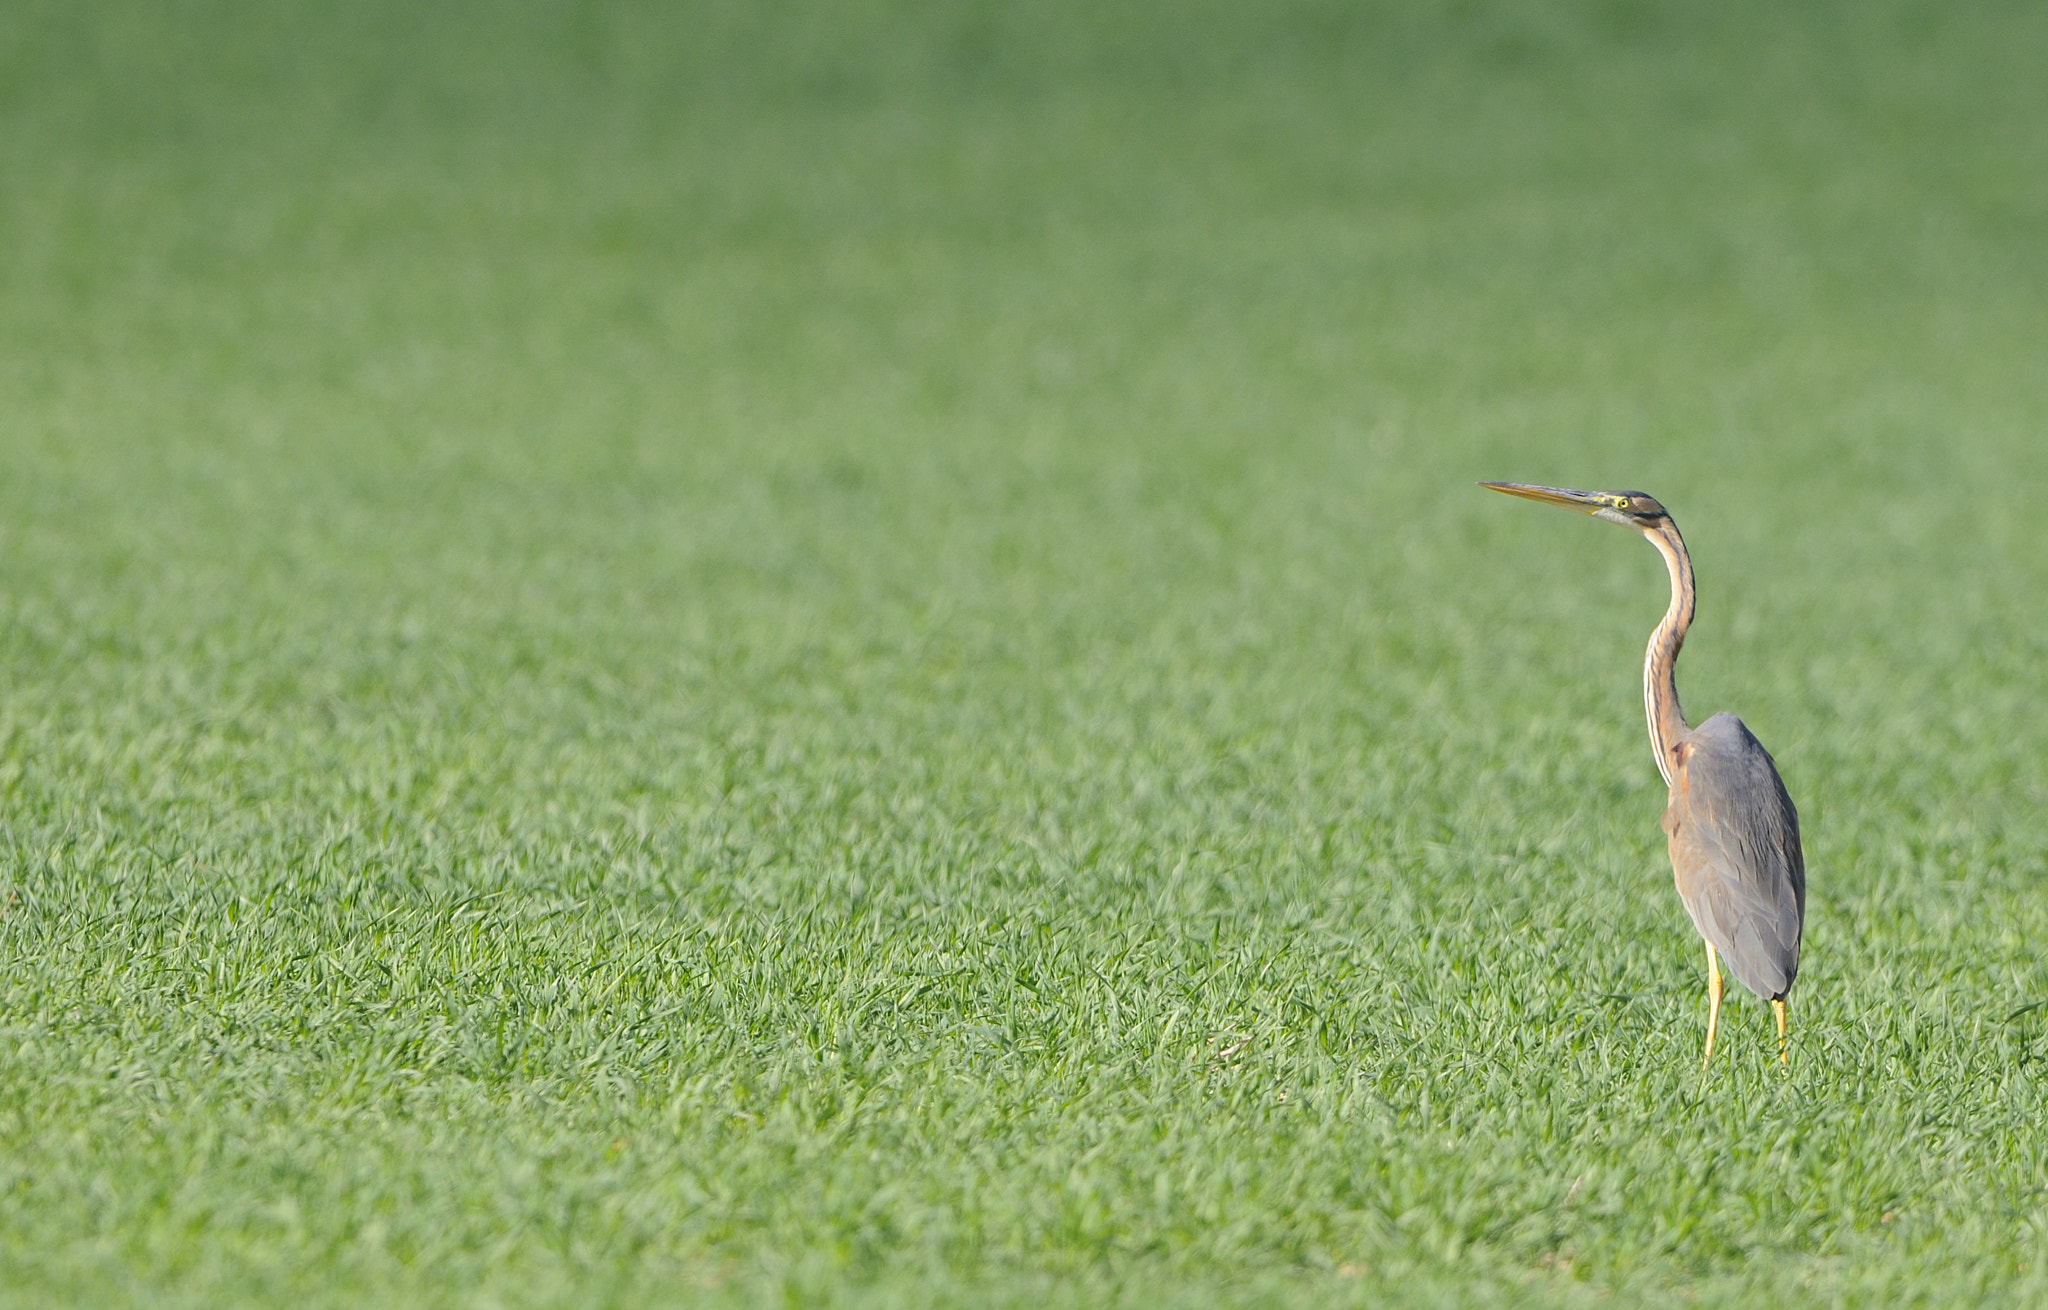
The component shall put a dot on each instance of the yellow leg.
(1713, 1003)
(1778, 1007)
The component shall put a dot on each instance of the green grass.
(843, 654)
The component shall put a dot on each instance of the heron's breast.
(1688, 861)
(1676, 799)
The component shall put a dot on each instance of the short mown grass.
(844, 654)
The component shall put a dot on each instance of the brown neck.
(1660, 661)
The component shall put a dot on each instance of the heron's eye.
(1619, 502)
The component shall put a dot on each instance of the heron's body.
(1735, 854)
(1734, 833)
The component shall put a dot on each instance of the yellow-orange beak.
(1585, 502)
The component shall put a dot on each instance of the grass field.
(843, 654)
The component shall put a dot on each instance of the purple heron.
(1734, 835)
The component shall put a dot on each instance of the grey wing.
(1735, 851)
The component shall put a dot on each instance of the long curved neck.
(1660, 661)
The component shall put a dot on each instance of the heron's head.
(1631, 509)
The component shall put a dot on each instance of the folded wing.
(1735, 851)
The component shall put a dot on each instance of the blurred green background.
(844, 653)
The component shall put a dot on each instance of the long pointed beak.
(1585, 502)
